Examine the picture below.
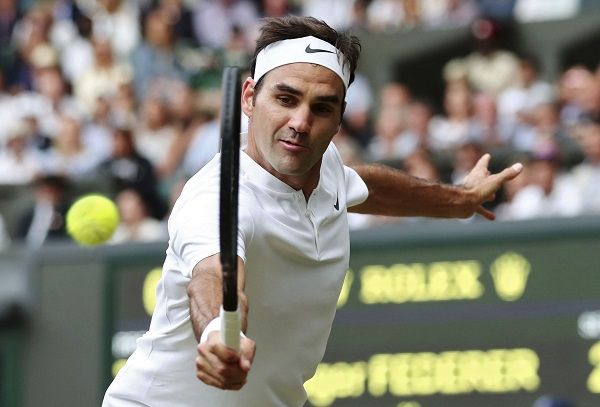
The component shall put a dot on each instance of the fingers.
(489, 215)
(220, 366)
(511, 172)
(483, 162)
(247, 352)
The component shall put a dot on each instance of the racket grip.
(230, 328)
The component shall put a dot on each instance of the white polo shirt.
(296, 254)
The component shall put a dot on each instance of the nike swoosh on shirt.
(310, 50)
(337, 204)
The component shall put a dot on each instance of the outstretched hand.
(484, 185)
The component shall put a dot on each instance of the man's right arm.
(216, 364)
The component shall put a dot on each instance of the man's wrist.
(212, 326)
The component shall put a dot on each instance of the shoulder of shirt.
(332, 155)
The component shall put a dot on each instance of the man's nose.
(301, 119)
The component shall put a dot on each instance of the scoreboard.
(439, 314)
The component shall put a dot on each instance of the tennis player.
(293, 240)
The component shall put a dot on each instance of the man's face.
(293, 118)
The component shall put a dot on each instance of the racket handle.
(230, 328)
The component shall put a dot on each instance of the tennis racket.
(228, 208)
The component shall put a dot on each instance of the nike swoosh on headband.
(310, 50)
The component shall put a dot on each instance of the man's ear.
(248, 96)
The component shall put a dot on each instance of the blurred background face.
(590, 142)
(573, 82)
(394, 95)
(131, 207)
(419, 165)
(158, 31)
(110, 5)
(389, 124)
(50, 83)
(546, 116)
(527, 72)
(467, 156)
(183, 102)
(274, 8)
(458, 102)
(122, 143)
(102, 52)
(484, 108)
(68, 139)
(419, 118)
(543, 174)
(154, 114)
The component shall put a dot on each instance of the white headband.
(311, 50)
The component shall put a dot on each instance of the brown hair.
(289, 27)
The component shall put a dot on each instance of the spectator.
(96, 133)
(586, 175)
(118, 22)
(77, 55)
(45, 220)
(69, 155)
(549, 193)
(545, 133)
(127, 168)
(9, 16)
(418, 126)
(349, 149)
(578, 89)
(202, 148)
(359, 17)
(124, 106)
(336, 13)
(420, 164)
(388, 143)
(29, 33)
(103, 78)
(136, 225)
(458, 125)
(395, 95)
(495, 133)
(19, 163)
(487, 68)
(180, 17)
(156, 136)
(155, 63)
(214, 21)
(187, 119)
(277, 8)
(48, 102)
(391, 15)
(516, 103)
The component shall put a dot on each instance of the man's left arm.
(396, 193)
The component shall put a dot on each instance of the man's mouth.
(292, 146)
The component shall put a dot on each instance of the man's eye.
(284, 100)
(322, 109)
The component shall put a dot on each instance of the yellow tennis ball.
(92, 220)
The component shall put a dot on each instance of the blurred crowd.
(122, 96)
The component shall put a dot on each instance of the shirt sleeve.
(356, 189)
(194, 229)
